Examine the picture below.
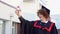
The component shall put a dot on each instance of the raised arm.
(25, 24)
(18, 13)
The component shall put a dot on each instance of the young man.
(42, 26)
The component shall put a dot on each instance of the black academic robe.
(37, 27)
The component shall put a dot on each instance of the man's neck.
(45, 21)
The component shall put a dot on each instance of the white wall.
(14, 3)
(6, 11)
(56, 19)
(30, 9)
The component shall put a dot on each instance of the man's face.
(41, 17)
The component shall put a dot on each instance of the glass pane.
(2, 27)
(1, 22)
(14, 28)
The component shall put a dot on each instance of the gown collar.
(44, 26)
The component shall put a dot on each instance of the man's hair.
(43, 12)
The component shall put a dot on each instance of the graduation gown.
(37, 27)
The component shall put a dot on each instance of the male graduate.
(42, 26)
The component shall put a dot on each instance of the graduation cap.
(48, 11)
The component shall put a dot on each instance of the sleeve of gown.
(23, 20)
(54, 30)
(25, 25)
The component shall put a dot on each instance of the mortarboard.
(48, 11)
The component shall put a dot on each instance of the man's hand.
(18, 11)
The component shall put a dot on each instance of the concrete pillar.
(8, 27)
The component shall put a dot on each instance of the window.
(14, 28)
(2, 27)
